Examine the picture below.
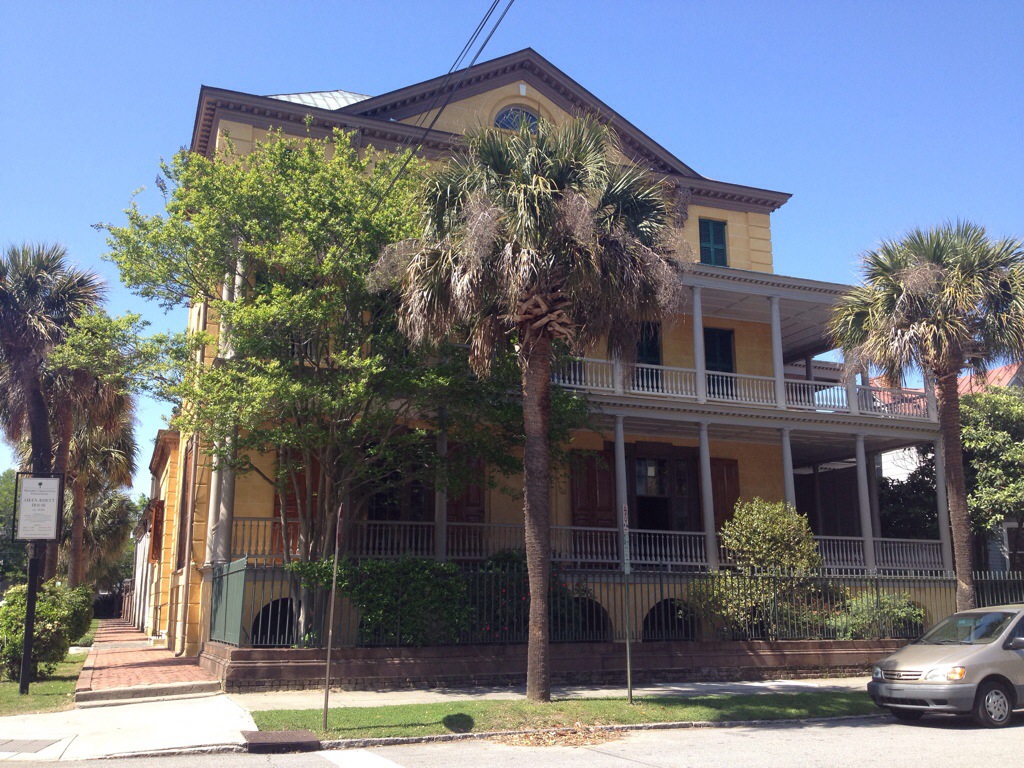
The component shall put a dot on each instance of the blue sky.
(876, 116)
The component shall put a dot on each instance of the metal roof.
(332, 100)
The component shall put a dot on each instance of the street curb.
(134, 694)
(677, 725)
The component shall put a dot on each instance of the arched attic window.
(510, 118)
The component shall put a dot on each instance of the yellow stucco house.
(730, 401)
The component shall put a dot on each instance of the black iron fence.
(259, 602)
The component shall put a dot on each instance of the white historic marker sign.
(38, 507)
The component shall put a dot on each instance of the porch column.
(809, 367)
(787, 468)
(851, 395)
(707, 500)
(929, 396)
(874, 469)
(943, 508)
(864, 503)
(621, 495)
(819, 527)
(441, 494)
(777, 364)
(698, 347)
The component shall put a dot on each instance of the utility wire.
(451, 94)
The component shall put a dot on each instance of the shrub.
(50, 639)
(408, 601)
(77, 607)
(773, 592)
(870, 616)
(770, 536)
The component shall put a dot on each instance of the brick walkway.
(121, 657)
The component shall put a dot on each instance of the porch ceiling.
(809, 447)
(803, 322)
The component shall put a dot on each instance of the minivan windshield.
(972, 628)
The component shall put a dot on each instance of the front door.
(648, 353)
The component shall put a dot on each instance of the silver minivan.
(971, 662)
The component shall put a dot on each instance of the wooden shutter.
(593, 490)
(725, 488)
(712, 243)
(156, 533)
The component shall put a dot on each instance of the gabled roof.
(334, 100)
(376, 119)
(1004, 376)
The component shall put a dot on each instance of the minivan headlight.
(945, 674)
(876, 673)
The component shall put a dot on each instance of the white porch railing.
(908, 554)
(841, 552)
(666, 548)
(741, 388)
(574, 546)
(594, 375)
(822, 396)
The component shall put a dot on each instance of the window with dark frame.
(712, 243)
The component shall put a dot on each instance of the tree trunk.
(76, 552)
(536, 365)
(64, 428)
(956, 489)
(42, 445)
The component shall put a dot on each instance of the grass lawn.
(90, 634)
(50, 695)
(478, 716)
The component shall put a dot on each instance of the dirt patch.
(578, 736)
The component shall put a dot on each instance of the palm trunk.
(62, 451)
(76, 552)
(956, 489)
(42, 447)
(536, 364)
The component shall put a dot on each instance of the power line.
(451, 93)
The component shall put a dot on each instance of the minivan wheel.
(906, 715)
(993, 706)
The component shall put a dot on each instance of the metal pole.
(30, 618)
(330, 614)
(627, 581)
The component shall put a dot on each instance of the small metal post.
(30, 618)
(330, 613)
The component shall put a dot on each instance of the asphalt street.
(936, 742)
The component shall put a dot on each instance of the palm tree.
(102, 461)
(537, 236)
(939, 301)
(40, 297)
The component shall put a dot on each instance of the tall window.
(712, 243)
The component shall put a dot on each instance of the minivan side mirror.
(1017, 644)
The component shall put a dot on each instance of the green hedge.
(59, 611)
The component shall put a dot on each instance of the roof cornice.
(763, 282)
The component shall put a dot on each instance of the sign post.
(39, 501)
(330, 619)
(628, 581)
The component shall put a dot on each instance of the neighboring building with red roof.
(1005, 376)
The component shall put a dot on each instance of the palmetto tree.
(40, 298)
(535, 237)
(939, 301)
(102, 461)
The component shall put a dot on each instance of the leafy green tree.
(308, 363)
(908, 505)
(537, 237)
(939, 301)
(13, 554)
(993, 436)
(770, 536)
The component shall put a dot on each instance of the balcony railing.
(573, 546)
(594, 375)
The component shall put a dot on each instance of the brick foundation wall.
(248, 669)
